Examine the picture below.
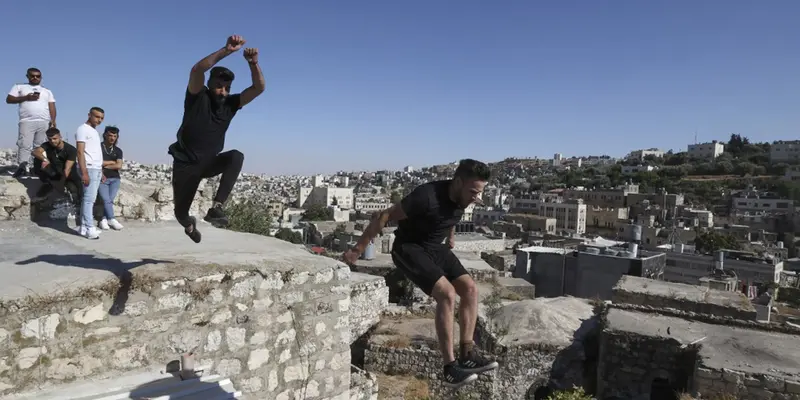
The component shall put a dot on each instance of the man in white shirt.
(37, 113)
(90, 165)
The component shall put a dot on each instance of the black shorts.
(425, 266)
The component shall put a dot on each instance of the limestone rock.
(14, 200)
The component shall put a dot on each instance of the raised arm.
(258, 86)
(198, 73)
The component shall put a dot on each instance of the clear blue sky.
(384, 84)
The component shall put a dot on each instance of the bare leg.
(445, 295)
(467, 311)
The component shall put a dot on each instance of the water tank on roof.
(635, 233)
(369, 252)
(780, 244)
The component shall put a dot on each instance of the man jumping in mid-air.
(207, 113)
(426, 217)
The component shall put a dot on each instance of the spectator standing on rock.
(207, 114)
(426, 218)
(90, 163)
(109, 186)
(54, 163)
(37, 113)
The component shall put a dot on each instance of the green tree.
(318, 213)
(289, 235)
(396, 197)
(711, 241)
(247, 216)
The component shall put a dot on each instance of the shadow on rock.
(114, 265)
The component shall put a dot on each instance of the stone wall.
(501, 261)
(284, 333)
(523, 369)
(363, 385)
(629, 365)
(709, 382)
(369, 298)
(479, 245)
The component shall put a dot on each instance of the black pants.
(426, 265)
(54, 176)
(186, 179)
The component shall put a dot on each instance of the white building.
(326, 196)
(569, 215)
(752, 202)
(641, 154)
(711, 150)
(318, 180)
(689, 268)
(784, 150)
(792, 173)
(635, 169)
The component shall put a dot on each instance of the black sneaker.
(455, 377)
(21, 170)
(194, 234)
(215, 216)
(475, 363)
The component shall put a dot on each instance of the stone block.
(519, 286)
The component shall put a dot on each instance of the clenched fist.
(251, 55)
(234, 43)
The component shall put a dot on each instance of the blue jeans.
(89, 197)
(108, 191)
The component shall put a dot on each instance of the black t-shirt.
(205, 122)
(112, 153)
(430, 215)
(58, 157)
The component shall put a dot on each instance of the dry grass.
(401, 387)
(723, 396)
(398, 342)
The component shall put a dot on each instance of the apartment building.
(570, 215)
(668, 201)
(611, 218)
(690, 267)
(486, 216)
(703, 218)
(533, 223)
(708, 150)
(639, 155)
(751, 202)
(635, 169)
(529, 204)
(371, 204)
(326, 196)
(792, 173)
(602, 198)
(784, 151)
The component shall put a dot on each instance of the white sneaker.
(115, 225)
(104, 224)
(91, 233)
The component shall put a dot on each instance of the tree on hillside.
(396, 197)
(289, 235)
(249, 217)
(711, 241)
(318, 213)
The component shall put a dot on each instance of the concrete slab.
(681, 291)
(739, 349)
(38, 260)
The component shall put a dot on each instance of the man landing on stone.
(426, 217)
(54, 162)
(207, 113)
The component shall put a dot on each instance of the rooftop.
(745, 350)
(37, 259)
(469, 260)
(681, 291)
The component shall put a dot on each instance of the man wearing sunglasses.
(207, 113)
(37, 113)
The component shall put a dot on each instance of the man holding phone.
(37, 113)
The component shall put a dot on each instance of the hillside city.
(596, 272)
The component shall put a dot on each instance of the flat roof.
(745, 350)
(543, 249)
(682, 291)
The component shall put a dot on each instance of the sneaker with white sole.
(115, 225)
(91, 233)
(104, 224)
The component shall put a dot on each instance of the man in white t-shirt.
(37, 113)
(90, 165)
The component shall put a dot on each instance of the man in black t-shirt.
(54, 162)
(426, 218)
(207, 113)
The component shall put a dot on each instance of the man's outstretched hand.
(234, 43)
(251, 55)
